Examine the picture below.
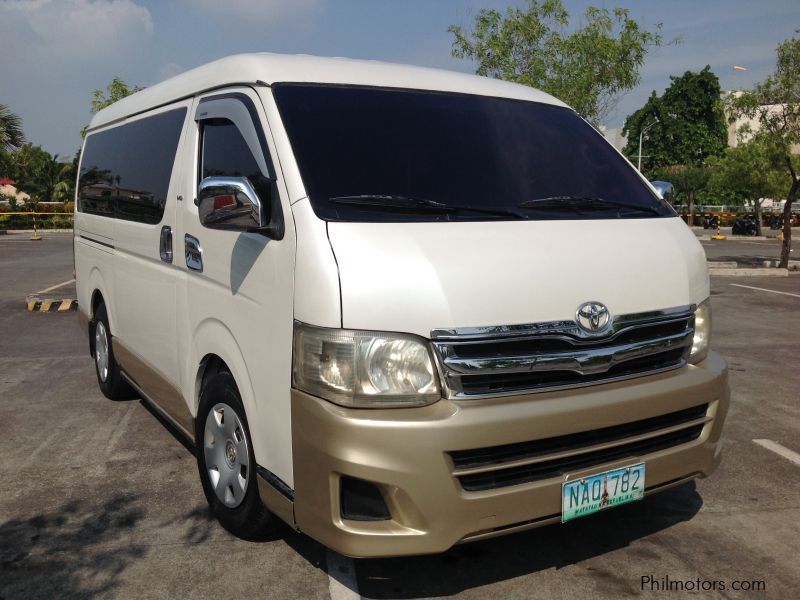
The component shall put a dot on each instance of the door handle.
(194, 253)
(165, 244)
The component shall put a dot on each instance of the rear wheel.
(226, 461)
(109, 377)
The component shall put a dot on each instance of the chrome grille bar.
(492, 361)
(582, 361)
(571, 328)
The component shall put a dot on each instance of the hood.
(415, 277)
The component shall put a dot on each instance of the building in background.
(736, 136)
(614, 136)
(8, 189)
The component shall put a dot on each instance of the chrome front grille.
(492, 361)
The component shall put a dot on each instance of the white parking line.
(344, 586)
(55, 287)
(750, 287)
(790, 455)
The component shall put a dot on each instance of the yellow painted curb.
(35, 304)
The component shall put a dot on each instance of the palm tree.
(11, 135)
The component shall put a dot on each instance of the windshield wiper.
(579, 202)
(391, 201)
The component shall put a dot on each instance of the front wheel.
(226, 461)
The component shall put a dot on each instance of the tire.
(109, 377)
(222, 438)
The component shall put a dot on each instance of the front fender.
(212, 336)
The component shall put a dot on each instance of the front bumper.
(404, 452)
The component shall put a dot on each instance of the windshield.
(375, 154)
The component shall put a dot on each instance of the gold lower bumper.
(404, 452)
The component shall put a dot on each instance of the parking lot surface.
(99, 498)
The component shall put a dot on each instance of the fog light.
(361, 500)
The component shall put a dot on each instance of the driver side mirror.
(231, 203)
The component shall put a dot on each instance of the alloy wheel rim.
(225, 448)
(101, 350)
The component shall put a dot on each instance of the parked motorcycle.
(710, 222)
(747, 225)
(776, 223)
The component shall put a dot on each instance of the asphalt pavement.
(99, 498)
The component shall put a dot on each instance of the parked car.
(397, 308)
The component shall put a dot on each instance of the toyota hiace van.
(397, 308)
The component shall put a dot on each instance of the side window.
(225, 154)
(125, 171)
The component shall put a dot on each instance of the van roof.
(271, 68)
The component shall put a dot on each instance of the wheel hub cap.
(101, 350)
(226, 454)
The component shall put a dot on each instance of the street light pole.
(641, 135)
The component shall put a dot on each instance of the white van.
(397, 308)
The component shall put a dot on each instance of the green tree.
(774, 104)
(6, 164)
(684, 126)
(688, 181)
(11, 135)
(589, 69)
(747, 174)
(116, 90)
(42, 175)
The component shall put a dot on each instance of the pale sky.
(55, 52)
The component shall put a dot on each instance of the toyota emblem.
(593, 317)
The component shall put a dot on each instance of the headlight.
(364, 369)
(702, 331)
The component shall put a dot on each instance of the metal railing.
(34, 220)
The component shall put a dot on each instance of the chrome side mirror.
(230, 203)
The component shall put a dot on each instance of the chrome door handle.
(165, 244)
(194, 253)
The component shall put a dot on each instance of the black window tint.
(125, 171)
(226, 153)
(462, 150)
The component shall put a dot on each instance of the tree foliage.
(42, 176)
(115, 91)
(11, 135)
(774, 104)
(747, 174)
(686, 123)
(6, 165)
(688, 181)
(589, 69)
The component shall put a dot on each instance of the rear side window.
(225, 153)
(125, 171)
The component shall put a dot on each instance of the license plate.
(592, 494)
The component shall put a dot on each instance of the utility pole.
(641, 135)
